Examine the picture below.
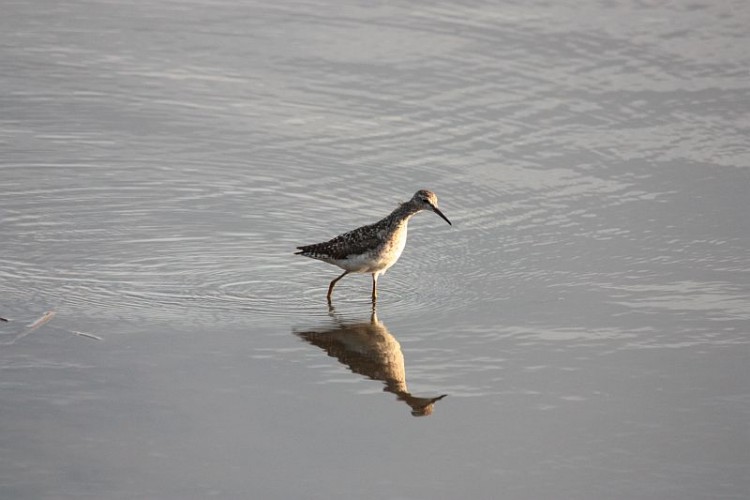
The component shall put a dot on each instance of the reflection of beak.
(437, 211)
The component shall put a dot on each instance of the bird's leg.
(374, 287)
(330, 287)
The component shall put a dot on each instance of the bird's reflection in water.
(369, 349)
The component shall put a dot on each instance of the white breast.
(392, 250)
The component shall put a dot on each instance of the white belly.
(381, 258)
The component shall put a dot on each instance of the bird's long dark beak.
(437, 211)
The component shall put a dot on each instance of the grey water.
(581, 331)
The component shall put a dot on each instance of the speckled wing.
(356, 242)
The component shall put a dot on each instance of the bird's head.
(427, 200)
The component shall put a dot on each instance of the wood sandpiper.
(375, 247)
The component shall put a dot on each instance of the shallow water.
(587, 315)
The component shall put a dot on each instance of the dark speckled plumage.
(358, 241)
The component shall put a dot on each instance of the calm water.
(587, 316)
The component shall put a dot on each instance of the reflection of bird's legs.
(330, 287)
(374, 287)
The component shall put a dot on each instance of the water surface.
(586, 318)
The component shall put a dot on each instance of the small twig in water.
(87, 335)
(45, 317)
(30, 328)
